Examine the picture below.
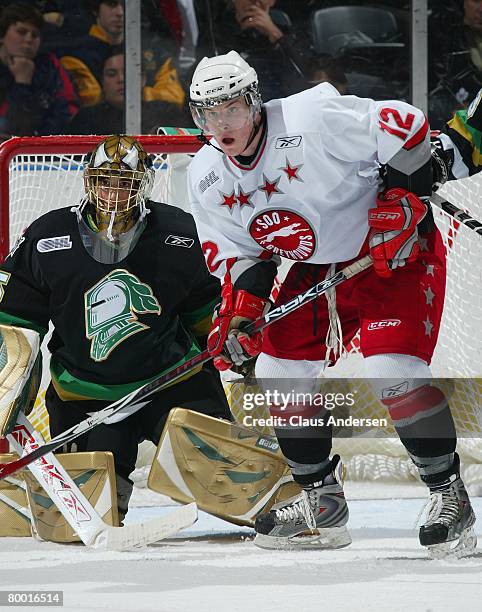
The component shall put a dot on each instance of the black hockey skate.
(448, 530)
(316, 519)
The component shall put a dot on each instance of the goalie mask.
(118, 180)
(218, 81)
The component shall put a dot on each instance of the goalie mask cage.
(39, 174)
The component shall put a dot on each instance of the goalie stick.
(133, 402)
(79, 512)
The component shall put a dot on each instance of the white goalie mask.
(221, 79)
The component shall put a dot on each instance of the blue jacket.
(44, 107)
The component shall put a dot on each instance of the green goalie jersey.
(465, 131)
(116, 326)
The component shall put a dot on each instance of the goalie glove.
(393, 236)
(20, 373)
(227, 343)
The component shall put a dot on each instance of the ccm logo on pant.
(384, 323)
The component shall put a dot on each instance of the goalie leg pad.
(230, 471)
(20, 365)
(95, 476)
(14, 512)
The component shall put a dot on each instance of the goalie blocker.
(20, 370)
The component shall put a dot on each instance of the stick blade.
(147, 532)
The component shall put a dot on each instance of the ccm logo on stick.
(384, 323)
(382, 216)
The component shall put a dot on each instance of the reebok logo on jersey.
(207, 181)
(384, 323)
(58, 243)
(288, 142)
(180, 241)
(395, 391)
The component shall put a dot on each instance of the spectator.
(325, 68)
(262, 34)
(107, 117)
(62, 18)
(85, 61)
(36, 95)
(455, 60)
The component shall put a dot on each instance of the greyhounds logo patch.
(284, 233)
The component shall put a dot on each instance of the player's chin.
(231, 145)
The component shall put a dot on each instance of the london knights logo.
(110, 307)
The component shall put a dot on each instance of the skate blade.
(327, 539)
(464, 546)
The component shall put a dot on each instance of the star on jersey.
(428, 326)
(429, 295)
(291, 171)
(270, 187)
(430, 269)
(245, 198)
(423, 242)
(228, 200)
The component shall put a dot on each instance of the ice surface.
(214, 566)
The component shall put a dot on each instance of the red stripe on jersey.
(415, 402)
(256, 160)
(418, 137)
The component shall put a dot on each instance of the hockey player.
(124, 283)
(457, 149)
(299, 178)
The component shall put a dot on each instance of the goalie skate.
(448, 530)
(316, 519)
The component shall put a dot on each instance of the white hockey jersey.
(306, 195)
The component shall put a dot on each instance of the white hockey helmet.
(222, 78)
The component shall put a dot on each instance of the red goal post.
(31, 148)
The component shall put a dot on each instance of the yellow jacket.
(85, 70)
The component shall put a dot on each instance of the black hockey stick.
(133, 402)
(457, 213)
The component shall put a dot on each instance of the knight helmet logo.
(110, 307)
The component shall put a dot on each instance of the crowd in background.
(62, 61)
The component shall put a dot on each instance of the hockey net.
(41, 174)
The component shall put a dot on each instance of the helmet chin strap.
(254, 132)
(204, 140)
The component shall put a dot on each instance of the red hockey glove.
(393, 236)
(227, 343)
